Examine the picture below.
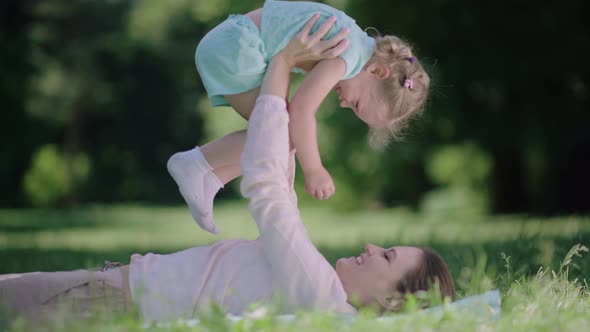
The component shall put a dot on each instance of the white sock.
(197, 184)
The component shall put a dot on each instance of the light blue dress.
(232, 58)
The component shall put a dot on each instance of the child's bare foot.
(197, 184)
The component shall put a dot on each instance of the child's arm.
(302, 108)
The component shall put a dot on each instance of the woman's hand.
(305, 48)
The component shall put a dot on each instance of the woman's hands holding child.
(310, 48)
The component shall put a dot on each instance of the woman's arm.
(302, 278)
(302, 108)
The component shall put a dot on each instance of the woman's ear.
(379, 70)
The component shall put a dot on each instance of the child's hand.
(305, 47)
(319, 184)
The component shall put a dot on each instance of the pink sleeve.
(302, 278)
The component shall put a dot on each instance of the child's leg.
(228, 173)
(224, 154)
(202, 171)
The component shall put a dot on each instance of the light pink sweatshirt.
(281, 267)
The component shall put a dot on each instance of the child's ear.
(379, 70)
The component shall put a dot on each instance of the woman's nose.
(370, 249)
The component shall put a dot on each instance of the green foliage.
(126, 103)
(465, 165)
(576, 251)
(52, 175)
(153, 21)
(454, 203)
(116, 80)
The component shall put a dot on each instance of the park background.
(97, 95)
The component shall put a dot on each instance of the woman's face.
(373, 276)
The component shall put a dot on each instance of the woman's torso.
(230, 273)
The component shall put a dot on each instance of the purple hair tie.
(412, 59)
(408, 83)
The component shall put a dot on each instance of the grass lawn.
(496, 252)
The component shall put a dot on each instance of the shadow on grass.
(30, 221)
(34, 259)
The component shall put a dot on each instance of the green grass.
(495, 252)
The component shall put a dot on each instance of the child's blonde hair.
(406, 87)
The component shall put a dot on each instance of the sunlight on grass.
(104, 228)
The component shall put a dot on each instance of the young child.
(378, 78)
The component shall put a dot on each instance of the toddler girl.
(378, 78)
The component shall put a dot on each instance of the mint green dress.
(232, 58)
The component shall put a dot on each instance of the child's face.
(360, 94)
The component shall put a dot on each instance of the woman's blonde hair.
(406, 87)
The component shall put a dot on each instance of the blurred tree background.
(96, 95)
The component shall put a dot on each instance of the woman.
(282, 267)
